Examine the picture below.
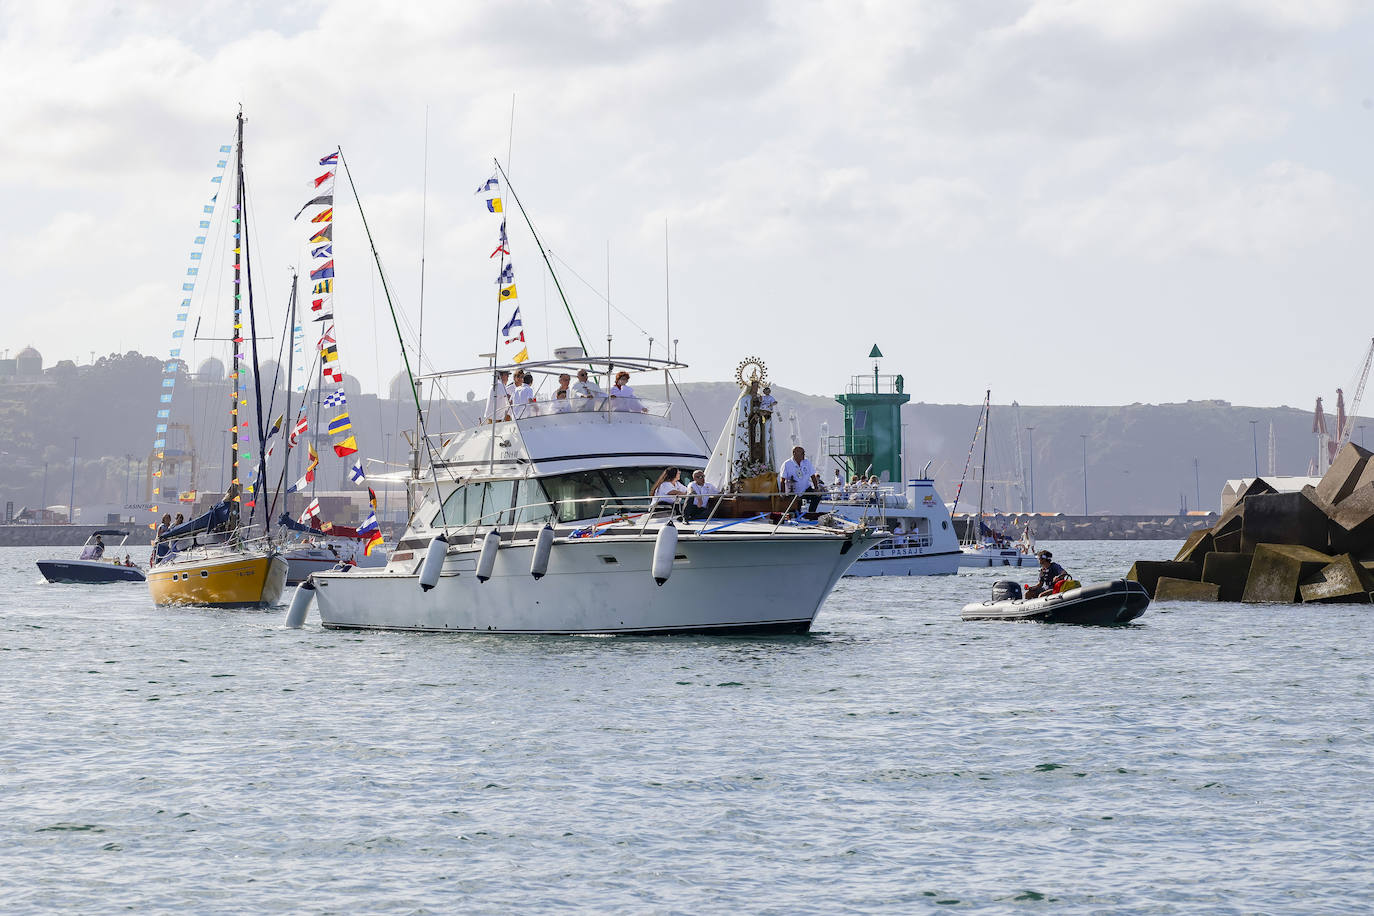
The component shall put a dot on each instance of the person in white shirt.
(585, 391)
(700, 493)
(623, 393)
(667, 489)
(898, 535)
(798, 475)
(498, 402)
(522, 395)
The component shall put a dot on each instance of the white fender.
(490, 544)
(434, 562)
(665, 548)
(300, 603)
(543, 546)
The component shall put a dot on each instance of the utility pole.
(1030, 449)
(1197, 486)
(1254, 440)
(71, 502)
(1085, 472)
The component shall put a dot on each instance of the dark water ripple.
(1210, 759)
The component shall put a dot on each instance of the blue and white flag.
(506, 276)
(356, 472)
(337, 399)
(370, 524)
(323, 251)
(488, 185)
(514, 322)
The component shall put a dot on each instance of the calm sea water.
(1212, 758)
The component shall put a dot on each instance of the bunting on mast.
(515, 348)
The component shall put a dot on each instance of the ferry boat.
(922, 540)
(545, 524)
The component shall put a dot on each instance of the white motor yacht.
(545, 524)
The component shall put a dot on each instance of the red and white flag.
(296, 432)
(311, 511)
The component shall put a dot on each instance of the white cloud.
(1183, 207)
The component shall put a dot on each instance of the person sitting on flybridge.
(798, 475)
(1049, 572)
(623, 393)
(585, 390)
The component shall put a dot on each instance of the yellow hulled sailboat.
(228, 570)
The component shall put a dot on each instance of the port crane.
(1344, 433)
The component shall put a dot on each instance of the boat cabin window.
(490, 502)
(561, 497)
(582, 494)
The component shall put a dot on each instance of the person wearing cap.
(1049, 571)
(767, 402)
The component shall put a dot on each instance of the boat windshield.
(562, 497)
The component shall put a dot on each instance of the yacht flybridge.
(545, 523)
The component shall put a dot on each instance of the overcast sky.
(1068, 201)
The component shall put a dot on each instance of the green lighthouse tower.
(873, 424)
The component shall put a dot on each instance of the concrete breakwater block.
(1356, 511)
(1276, 570)
(1197, 546)
(1283, 518)
(1343, 476)
(1229, 572)
(1147, 572)
(1168, 589)
(1343, 580)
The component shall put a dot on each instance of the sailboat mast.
(235, 500)
(983, 472)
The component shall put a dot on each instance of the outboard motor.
(1006, 590)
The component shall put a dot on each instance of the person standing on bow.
(798, 475)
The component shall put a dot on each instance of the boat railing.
(602, 404)
(525, 521)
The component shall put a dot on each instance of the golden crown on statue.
(751, 369)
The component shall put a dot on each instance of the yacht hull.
(303, 562)
(243, 580)
(603, 586)
(88, 572)
(904, 561)
(985, 557)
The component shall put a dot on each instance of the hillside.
(1139, 456)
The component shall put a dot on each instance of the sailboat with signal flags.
(215, 560)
